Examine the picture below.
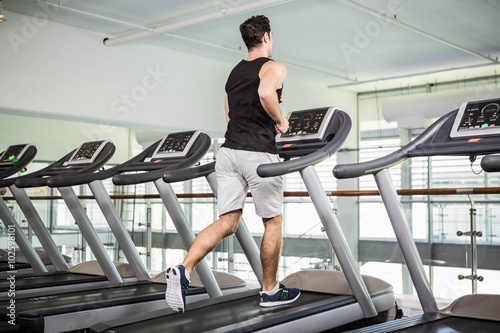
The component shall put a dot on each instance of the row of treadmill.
(42, 291)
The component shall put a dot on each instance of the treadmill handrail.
(173, 176)
(298, 164)
(26, 159)
(72, 180)
(41, 177)
(491, 163)
(150, 176)
(353, 170)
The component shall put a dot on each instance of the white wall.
(55, 72)
(59, 71)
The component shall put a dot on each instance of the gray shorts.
(237, 173)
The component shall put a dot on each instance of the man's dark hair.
(253, 29)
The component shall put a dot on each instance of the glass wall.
(439, 223)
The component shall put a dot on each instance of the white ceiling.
(354, 44)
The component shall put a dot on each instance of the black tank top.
(250, 127)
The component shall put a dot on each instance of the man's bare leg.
(210, 237)
(270, 251)
(178, 277)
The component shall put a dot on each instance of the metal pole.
(186, 234)
(149, 233)
(473, 247)
(121, 234)
(338, 241)
(39, 228)
(88, 231)
(405, 240)
(21, 240)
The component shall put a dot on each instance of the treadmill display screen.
(307, 125)
(87, 152)
(176, 145)
(477, 118)
(12, 154)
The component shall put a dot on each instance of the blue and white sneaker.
(281, 297)
(177, 287)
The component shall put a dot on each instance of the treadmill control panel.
(307, 125)
(87, 152)
(476, 119)
(175, 145)
(13, 154)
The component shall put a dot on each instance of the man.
(253, 94)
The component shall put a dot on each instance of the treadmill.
(87, 158)
(27, 259)
(14, 159)
(328, 298)
(78, 310)
(472, 130)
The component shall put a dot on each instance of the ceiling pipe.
(204, 18)
(406, 76)
(106, 18)
(416, 30)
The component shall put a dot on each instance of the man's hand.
(3, 190)
(282, 127)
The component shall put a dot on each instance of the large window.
(434, 220)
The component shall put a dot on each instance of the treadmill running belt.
(236, 314)
(455, 325)
(79, 301)
(6, 266)
(50, 280)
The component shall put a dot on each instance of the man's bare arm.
(271, 78)
(226, 108)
